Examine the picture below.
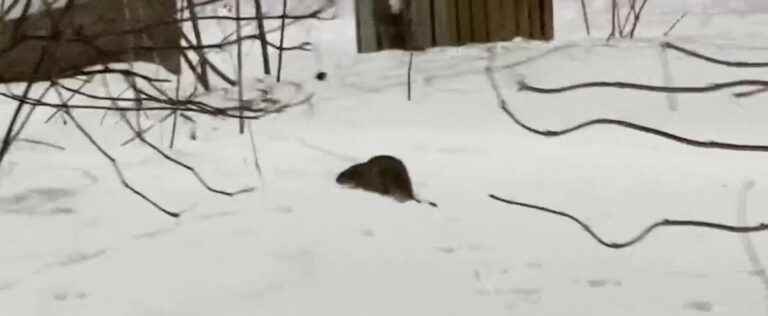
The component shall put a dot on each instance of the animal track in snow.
(36, 202)
(699, 306)
(598, 283)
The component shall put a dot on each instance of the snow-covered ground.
(73, 241)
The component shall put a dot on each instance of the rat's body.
(385, 175)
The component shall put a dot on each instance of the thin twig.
(614, 12)
(750, 93)
(256, 164)
(645, 232)
(147, 129)
(175, 114)
(627, 16)
(410, 70)
(181, 164)
(282, 43)
(586, 16)
(263, 37)
(239, 68)
(697, 55)
(136, 130)
(199, 41)
(30, 112)
(672, 27)
(629, 125)
(40, 142)
(636, 22)
(117, 168)
(8, 139)
(524, 86)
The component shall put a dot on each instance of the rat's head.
(350, 176)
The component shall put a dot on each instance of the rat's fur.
(382, 174)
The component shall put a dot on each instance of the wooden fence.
(427, 23)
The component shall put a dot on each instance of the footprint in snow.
(80, 257)
(367, 232)
(284, 209)
(36, 202)
(533, 265)
(63, 295)
(598, 283)
(699, 306)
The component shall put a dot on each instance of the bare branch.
(263, 38)
(8, 139)
(282, 42)
(697, 55)
(409, 74)
(637, 19)
(585, 15)
(117, 168)
(629, 125)
(645, 232)
(672, 27)
(523, 86)
(40, 142)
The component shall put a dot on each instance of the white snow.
(73, 241)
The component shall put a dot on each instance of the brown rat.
(382, 174)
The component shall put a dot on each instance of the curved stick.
(697, 55)
(523, 86)
(640, 128)
(633, 126)
(118, 170)
(645, 232)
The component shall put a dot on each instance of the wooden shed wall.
(428, 23)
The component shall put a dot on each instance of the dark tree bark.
(90, 33)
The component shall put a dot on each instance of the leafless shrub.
(57, 32)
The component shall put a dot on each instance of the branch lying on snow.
(523, 86)
(181, 164)
(697, 55)
(645, 232)
(254, 113)
(762, 85)
(138, 134)
(116, 167)
(750, 93)
(40, 142)
(633, 126)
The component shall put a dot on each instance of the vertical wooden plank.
(523, 22)
(495, 20)
(548, 19)
(445, 23)
(392, 28)
(419, 32)
(464, 17)
(534, 19)
(479, 21)
(366, 27)
(509, 19)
